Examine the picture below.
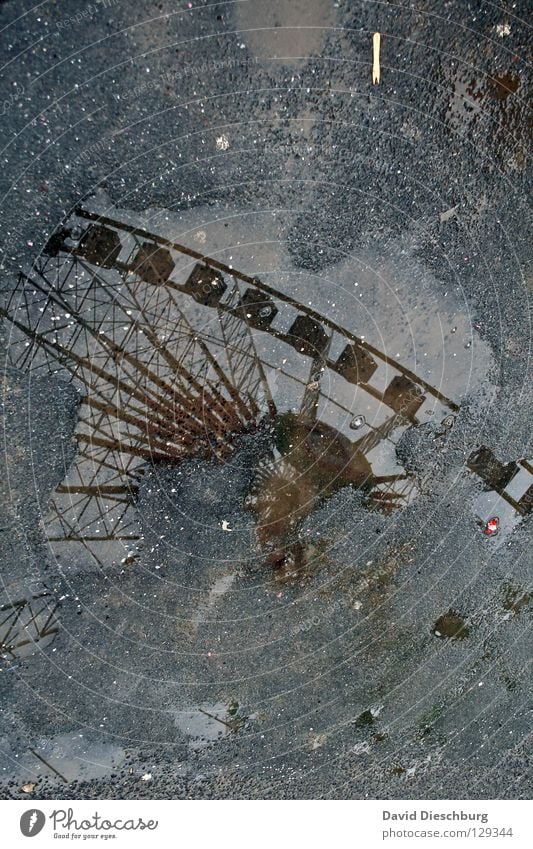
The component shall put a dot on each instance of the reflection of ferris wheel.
(175, 354)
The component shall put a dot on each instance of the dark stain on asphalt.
(451, 626)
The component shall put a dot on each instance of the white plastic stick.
(375, 66)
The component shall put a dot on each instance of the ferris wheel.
(175, 354)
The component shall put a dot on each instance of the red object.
(492, 526)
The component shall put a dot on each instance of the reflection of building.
(175, 353)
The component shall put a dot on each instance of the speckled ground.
(336, 686)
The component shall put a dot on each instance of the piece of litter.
(492, 526)
(29, 787)
(225, 525)
(361, 748)
(376, 44)
(357, 422)
(450, 213)
(222, 142)
(503, 29)
(147, 776)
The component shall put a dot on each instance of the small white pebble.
(503, 29)
(222, 142)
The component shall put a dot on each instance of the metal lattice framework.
(25, 622)
(167, 366)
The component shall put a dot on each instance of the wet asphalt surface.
(338, 684)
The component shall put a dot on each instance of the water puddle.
(185, 331)
(64, 758)
(508, 495)
(284, 30)
(28, 622)
(451, 626)
(496, 107)
(209, 723)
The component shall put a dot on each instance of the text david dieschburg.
(421, 816)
